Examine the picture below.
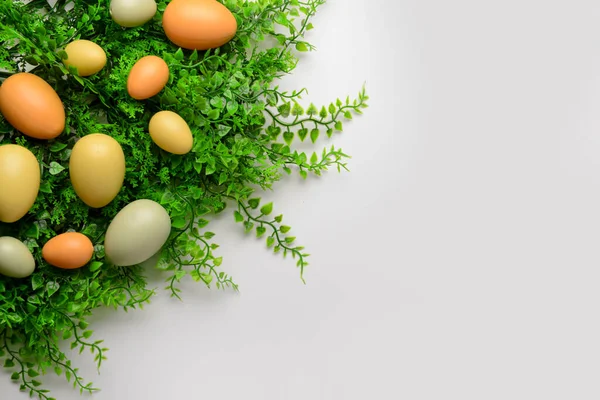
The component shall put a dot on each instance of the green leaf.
(57, 146)
(37, 281)
(254, 202)
(9, 363)
(88, 334)
(95, 265)
(56, 168)
(301, 46)
(179, 223)
(323, 112)
(15, 375)
(302, 133)
(32, 373)
(45, 187)
(238, 216)
(303, 174)
(290, 239)
(270, 241)
(332, 108)
(279, 218)
(314, 158)
(314, 135)
(288, 137)
(267, 209)
(179, 54)
(260, 230)
(338, 125)
(285, 228)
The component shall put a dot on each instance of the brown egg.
(31, 105)
(148, 77)
(68, 251)
(198, 24)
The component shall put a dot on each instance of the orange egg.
(148, 77)
(31, 106)
(198, 24)
(69, 250)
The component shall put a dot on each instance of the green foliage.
(243, 126)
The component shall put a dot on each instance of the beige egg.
(170, 132)
(19, 181)
(16, 261)
(86, 56)
(137, 233)
(131, 13)
(97, 169)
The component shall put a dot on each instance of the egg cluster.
(97, 162)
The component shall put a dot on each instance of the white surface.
(458, 260)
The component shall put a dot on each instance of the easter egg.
(69, 250)
(131, 13)
(147, 77)
(97, 169)
(170, 132)
(16, 261)
(137, 232)
(198, 24)
(31, 106)
(19, 181)
(86, 56)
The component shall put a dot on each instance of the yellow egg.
(19, 181)
(86, 56)
(170, 132)
(97, 169)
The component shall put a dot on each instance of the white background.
(458, 260)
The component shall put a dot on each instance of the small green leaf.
(270, 241)
(32, 373)
(45, 187)
(332, 108)
(302, 133)
(9, 363)
(179, 54)
(338, 126)
(323, 112)
(279, 218)
(314, 158)
(290, 239)
(95, 265)
(301, 46)
(57, 146)
(238, 216)
(267, 209)
(303, 174)
(37, 281)
(288, 137)
(254, 202)
(260, 230)
(88, 334)
(15, 375)
(314, 135)
(179, 223)
(285, 228)
(56, 168)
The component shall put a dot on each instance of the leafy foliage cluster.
(243, 128)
